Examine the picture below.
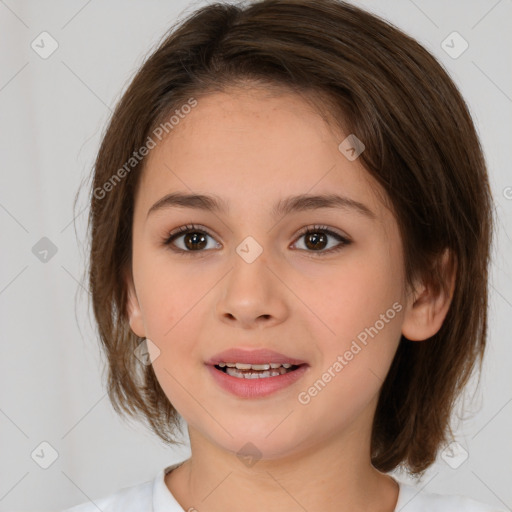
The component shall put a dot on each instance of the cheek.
(365, 315)
(359, 302)
(168, 291)
(352, 294)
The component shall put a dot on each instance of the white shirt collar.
(163, 499)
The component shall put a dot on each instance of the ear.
(427, 308)
(133, 307)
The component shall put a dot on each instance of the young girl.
(290, 231)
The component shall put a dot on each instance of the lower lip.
(256, 388)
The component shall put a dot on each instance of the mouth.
(256, 371)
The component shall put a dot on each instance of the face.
(246, 276)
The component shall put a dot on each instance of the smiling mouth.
(256, 371)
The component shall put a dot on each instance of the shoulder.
(127, 499)
(412, 499)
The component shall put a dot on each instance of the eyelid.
(320, 227)
(189, 227)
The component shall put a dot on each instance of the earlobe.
(427, 309)
(133, 308)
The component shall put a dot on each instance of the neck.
(334, 475)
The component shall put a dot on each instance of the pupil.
(317, 240)
(191, 240)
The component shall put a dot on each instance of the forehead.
(252, 144)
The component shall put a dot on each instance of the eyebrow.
(299, 203)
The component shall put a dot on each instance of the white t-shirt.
(154, 496)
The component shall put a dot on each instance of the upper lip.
(252, 356)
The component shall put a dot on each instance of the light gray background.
(52, 113)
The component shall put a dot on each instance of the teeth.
(235, 372)
(243, 366)
(260, 367)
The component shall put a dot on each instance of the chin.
(260, 444)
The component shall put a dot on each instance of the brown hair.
(421, 146)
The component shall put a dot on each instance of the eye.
(194, 239)
(316, 238)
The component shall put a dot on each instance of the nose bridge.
(251, 292)
(250, 275)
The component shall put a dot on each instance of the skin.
(253, 148)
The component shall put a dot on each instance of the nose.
(252, 296)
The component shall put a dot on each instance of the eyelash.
(194, 228)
